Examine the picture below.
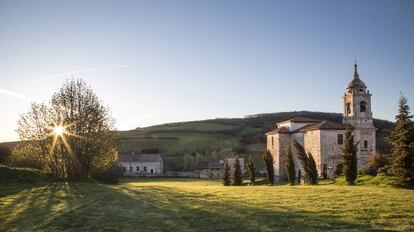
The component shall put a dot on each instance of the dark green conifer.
(226, 173)
(268, 160)
(308, 164)
(237, 175)
(349, 156)
(252, 170)
(402, 141)
(290, 165)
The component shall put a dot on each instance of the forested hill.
(243, 136)
(216, 138)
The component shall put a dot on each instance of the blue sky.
(154, 62)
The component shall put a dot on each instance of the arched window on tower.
(363, 106)
(348, 108)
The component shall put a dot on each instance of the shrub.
(21, 175)
(377, 163)
(5, 152)
(110, 175)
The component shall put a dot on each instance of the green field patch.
(139, 204)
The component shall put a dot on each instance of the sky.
(156, 62)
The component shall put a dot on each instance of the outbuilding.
(140, 164)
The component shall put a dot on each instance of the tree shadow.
(87, 206)
(193, 210)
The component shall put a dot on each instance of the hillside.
(218, 137)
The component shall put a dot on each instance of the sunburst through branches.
(59, 131)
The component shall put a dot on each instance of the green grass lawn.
(202, 205)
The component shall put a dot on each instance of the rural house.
(214, 169)
(141, 164)
(324, 139)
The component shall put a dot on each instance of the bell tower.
(357, 103)
(358, 114)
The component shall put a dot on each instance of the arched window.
(363, 106)
(348, 108)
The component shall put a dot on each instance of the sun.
(58, 130)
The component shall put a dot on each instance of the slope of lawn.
(202, 205)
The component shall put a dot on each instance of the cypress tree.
(226, 173)
(237, 175)
(402, 141)
(349, 156)
(314, 171)
(308, 164)
(290, 165)
(268, 160)
(252, 170)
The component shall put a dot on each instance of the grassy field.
(202, 205)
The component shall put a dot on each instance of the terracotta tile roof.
(280, 130)
(324, 125)
(300, 119)
(139, 158)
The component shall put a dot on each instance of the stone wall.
(331, 152)
(364, 153)
(312, 144)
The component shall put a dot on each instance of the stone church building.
(324, 139)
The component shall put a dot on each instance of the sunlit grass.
(204, 205)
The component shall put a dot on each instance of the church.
(324, 139)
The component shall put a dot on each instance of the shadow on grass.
(86, 206)
(165, 179)
(13, 188)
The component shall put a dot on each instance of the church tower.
(358, 114)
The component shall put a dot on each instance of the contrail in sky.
(77, 71)
(16, 95)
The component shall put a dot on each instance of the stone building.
(210, 169)
(214, 169)
(324, 139)
(141, 164)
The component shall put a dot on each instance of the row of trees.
(236, 178)
(70, 137)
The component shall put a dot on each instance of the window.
(130, 168)
(273, 142)
(145, 168)
(152, 171)
(348, 108)
(365, 143)
(123, 169)
(340, 139)
(363, 106)
(137, 168)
